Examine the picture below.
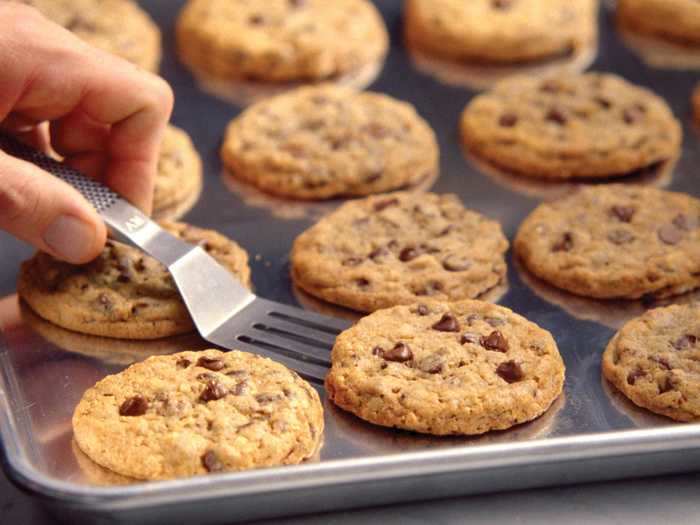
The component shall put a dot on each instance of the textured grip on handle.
(97, 194)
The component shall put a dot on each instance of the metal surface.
(591, 433)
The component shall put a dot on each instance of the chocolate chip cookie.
(501, 31)
(119, 27)
(196, 413)
(179, 179)
(280, 40)
(393, 249)
(123, 293)
(654, 360)
(445, 368)
(615, 241)
(674, 20)
(324, 141)
(594, 125)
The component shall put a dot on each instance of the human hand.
(100, 113)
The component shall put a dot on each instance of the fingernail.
(70, 238)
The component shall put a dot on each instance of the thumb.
(48, 213)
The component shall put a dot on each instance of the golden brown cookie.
(594, 125)
(280, 40)
(325, 141)
(615, 241)
(461, 368)
(123, 293)
(119, 27)
(194, 413)
(178, 182)
(395, 249)
(674, 20)
(501, 31)
(654, 360)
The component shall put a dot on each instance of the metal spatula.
(224, 311)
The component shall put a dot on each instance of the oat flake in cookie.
(326, 141)
(196, 413)
(593, 125)
(615, 241)
(397, 248)
(654, 360)
(501, 31)
(445, 368)
(123, 293)
(280, 40)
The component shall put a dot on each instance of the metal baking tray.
(591, 433)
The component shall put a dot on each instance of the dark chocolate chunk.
(564, 244)
(400, 353)
(210, 363)
(495, 341)
(384, 204)
(408, 254)
(447, 323)
(634, 375)
(432, 364)
(183, 363)
(557, 116)
(684, 342)
(133, 406)
(508, 120)
(623, 213)
(213, 391)
(510, 371)
(669, 234)
(211, 462)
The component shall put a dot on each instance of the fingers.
(48, 213)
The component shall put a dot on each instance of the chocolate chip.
(684, 342)
(352, 261)
(124, 267)
(662, 362)
(634, 375)
(564, 244)
(681, 222)
(456, 263)
(213, 391)
(510, 371)
(669, 234)
(267, 398)
(447, 323)
(362, 282)
(133, 406)
(623, 213)
(432, 364)
(377, 130)
(422, 310)
(378, 253)
(550, 86)
(620, 237)
(633, 114)
(667, 385)
(603, 102)
(400, 353)
(447, 230)
(408, 254)
(557, 116)
(183, 362)
(384, 204)
(140, 265)
(501, 4)
(469, 338)
(210, 363)
(508, 120)
(240, 388)
(430, 288)
(211, 462)
(256, 20)
(495, 341)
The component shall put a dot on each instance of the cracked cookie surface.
(673, 20)
(396, 248)
(194, 413)
(445, 368)
(326, 141)
(119, 27)
(123, 293)
(654, 360)
(280, 40)
(593, 125)
(615, 241)
(501, 31)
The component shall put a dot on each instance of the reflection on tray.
(641, 417)
(108, 350)
(389, 440)
(660, 53)
(610, 312)
(480, 77)
(659, 176)
(291, 209)
(245, 92)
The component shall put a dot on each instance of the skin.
(103, 115)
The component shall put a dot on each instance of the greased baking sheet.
(591, 432)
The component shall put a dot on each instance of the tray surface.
(45, 370)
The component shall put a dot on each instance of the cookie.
(394, 249)
(654, 360)
(280, 40)
(501, 31)
(445, 368)
(615, 241)
(673, 20)
(594, 125)
(195, 413)
(325, 141)
(119, 27)
(178, 181)
(123, 293)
